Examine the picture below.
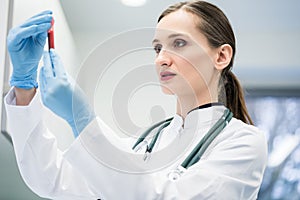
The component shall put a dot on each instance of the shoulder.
(239, 130)
(247, 140)
(237, 126)
(239, 152)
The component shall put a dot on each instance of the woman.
(195, 47)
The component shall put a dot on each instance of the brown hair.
(218, 31)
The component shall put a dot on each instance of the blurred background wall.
(104, 37)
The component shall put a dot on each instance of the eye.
(179, 43)
(157, 48)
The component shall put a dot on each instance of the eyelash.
(157, 48)
(178, 43)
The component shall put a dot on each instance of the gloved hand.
(25, 45)
(62, 95)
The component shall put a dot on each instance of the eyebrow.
(170, 36)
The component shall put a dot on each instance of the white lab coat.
(92, 168)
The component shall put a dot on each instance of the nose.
(163, 58)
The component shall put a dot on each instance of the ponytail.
(234, 97)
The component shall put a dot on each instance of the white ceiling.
(267, 33)
(254, 15)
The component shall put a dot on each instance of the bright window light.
(134, 3)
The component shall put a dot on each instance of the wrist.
(79, 122)
(24, 96)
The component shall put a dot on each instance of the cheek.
(196, 69)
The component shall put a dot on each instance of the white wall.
(263, 60)
(4, 6)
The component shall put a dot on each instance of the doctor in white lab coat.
(195, 47)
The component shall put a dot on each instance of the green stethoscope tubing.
(199, 150)
(151, 128)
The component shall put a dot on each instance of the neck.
(186, 103)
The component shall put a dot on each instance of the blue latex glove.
(62, 95)
(26, 45)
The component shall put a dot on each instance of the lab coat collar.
(176, 124)
(197, 118)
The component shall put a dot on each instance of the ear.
(223, 56)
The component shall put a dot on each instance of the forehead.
(179, 21)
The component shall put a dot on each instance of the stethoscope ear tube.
(148, 131)
(153, 141)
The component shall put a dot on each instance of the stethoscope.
(196, 153)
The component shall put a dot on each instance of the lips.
(166, 75)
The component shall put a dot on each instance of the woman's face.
(183, 56)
